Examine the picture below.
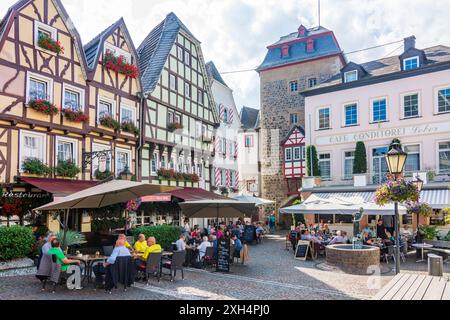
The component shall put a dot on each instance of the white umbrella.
(252, 199)
(217, 209)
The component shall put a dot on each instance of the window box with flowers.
(174, 126)
(102, 175)
(397, 191)
(119, 64)
(46, 42)
(130, 127)
(165, 174)
(77, 116)
(35, 166)
(67, 169)
(109, 122)
(43, 106)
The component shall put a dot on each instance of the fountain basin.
(354, 261)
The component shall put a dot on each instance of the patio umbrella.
(217, 209)
(252, 199)
(103, 195)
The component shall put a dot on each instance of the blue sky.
(235, 33)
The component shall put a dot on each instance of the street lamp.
(126, 174)
(396, 160)
(419, 185)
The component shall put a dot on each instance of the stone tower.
(297, 61)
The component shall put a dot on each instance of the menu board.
(249, 234)
(223, 255)
(303, 248)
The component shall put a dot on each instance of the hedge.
(165, 235)
(15, 242)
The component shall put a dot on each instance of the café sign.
(388, 133)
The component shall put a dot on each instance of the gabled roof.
(249, 118)
(299, 128)
(94, 48)
(155, 49)
(14, 10)
(213, 73)
(325, 44)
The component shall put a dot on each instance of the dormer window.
(301, 31)
(284, 51)
(411, 63)
(351, 76)
(117, 52)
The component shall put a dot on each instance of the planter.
(43, 106)
(172, 127)
(118, 64)
(75, 116)
(109, 122)
(308, 182)
(130, 127)
(360, 180)
(47, 43)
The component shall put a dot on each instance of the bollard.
(435, 265)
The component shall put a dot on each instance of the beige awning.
(217, 209)
(106, 194)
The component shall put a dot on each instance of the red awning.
(59, 187)
(185, 194)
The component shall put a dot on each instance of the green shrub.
(165, 235)
(35, 166)
(315, 161)
(360, 162)
(15, 242)
(73, 238)
(105, 224)
(102, 175)
(67, 169)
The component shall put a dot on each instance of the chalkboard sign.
(249, 234)
(223, 255)
(303, 248)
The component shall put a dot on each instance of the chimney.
(310, 45)
(410, 42)
(301, 31)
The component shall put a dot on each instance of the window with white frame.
(312, 82)
(32, 146)
(325, 166)
(39, 87)
(117, 52)
(180, 53)
(411, 63)
(163, 162)
(43, 30)
(444, 100)
(105, 108)
(127, 114)
(351, 114)
(200, 170)
(444, 157)
(95, 161)
(351, 76)
(349, 161)
(413, 161)
(187, 58)
(173, 82)
(187, 90)
(288, 154)
(303, 153)
(200, 97)
(123, 161)
(73, 98)
(323, 116)
(411, 105)
(248, 141)
(154, 164)
(67, 150)
(297, 153)
(379, 110)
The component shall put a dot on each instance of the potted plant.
(43, 106)
(428, 232)
(172, 127)
(119, 64)
(109, 122)
(74, 116)
(102, 175)
(360, 165)
(67, 169)
(35, 166)
(46, 42)
(130, 127)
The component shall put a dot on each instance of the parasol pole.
(66, 221)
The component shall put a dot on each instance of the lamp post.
(396, 160)
(419, 185)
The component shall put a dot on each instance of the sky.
(235, 33)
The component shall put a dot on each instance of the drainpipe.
(142, 133)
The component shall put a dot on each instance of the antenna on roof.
(319, 11)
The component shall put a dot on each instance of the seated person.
(237, 246)
(306, 236)
(141, 244)
(198, 239)
(339, 239)
(60, 257)
(119, 251)
(326, 229)
(152, 247)
(202, 248)
(126, 243)
(345, 236)
(370, 232)
(181, 243)
(367, 239)
(405, 231)
(259, 230)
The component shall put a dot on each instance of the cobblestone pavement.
(272, 273)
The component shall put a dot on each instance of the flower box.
(67, 169)
(174, 126)
(74, 116)
(36, 167)
(130, 127)
(109, 122)
(118, 64)
(43, 106)
(46, 42)
(102, 175)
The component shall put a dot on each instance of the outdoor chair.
(121, 272)
(107, 250)
(50, 271)
(208, 258)
(175, 264)
(153, 266)
(390, 254)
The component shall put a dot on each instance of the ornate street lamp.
(396, 160)
(126, 174)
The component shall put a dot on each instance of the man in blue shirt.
(237, 246)
(119, 251)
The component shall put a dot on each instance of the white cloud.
(235, 33)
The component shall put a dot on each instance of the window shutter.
(231, 116)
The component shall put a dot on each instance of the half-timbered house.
(294, 164)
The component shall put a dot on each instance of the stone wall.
(277, 104)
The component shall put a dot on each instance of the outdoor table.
(88, 261)
(422, 246)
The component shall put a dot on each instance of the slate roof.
(391, 65)
(213, 73)
(325, 44)
(250, 118)
(155, 49)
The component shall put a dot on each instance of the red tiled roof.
(59, 187)
(186, 194)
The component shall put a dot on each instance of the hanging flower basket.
(109, 122)
(118, 64)
(422, 209)
(46, 42)
(174, 126)
(74, 116)
(397, 191)
(43, 106)
(130, 127)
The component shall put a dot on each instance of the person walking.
(272, 223)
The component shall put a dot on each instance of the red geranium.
(118, 64)
(46, 42)
(74, 116)
(43, 106)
